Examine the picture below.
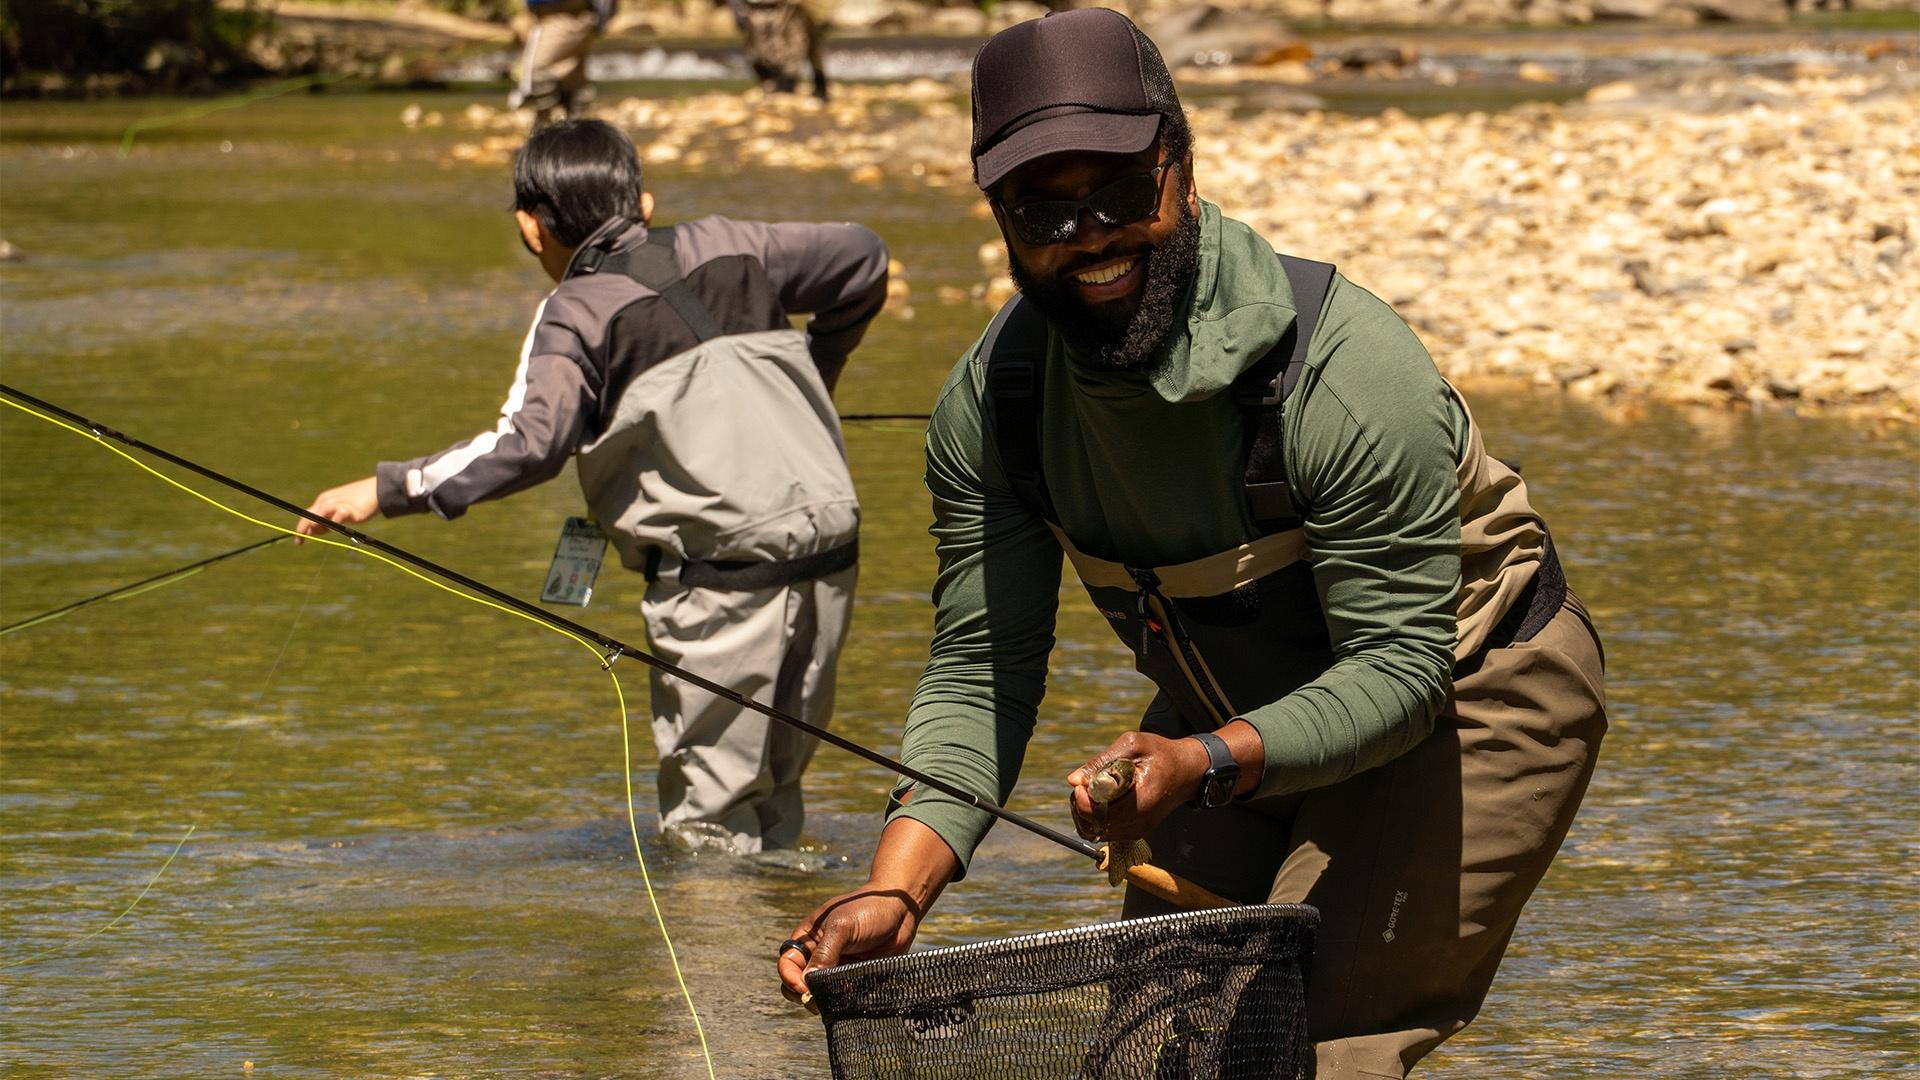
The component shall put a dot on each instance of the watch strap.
(1218, 756)
(1223, 773)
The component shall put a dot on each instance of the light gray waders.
(721, 475)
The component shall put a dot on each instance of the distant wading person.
(709, 452)
(1376, 693)
(783, 43)
(553, 68)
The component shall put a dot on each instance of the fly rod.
(1151, 878)
(860, 417)
(142, 585)
(613, 646)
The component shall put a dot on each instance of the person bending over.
(709, 453)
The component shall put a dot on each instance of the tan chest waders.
(1419, 866)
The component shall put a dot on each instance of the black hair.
(574, 175)
(1176, 136)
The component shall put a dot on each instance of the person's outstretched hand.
(910, 867)
(866, 924)
(348, 504)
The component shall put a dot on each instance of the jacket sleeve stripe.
(451, 465)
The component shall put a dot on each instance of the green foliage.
(173, 43)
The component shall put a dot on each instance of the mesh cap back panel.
(1219, 995)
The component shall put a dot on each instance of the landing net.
(1210, 995)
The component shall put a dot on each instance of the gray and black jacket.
(723, 449)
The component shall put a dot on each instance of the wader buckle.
(1010, 378)
(1148, 582)
(1271, 392)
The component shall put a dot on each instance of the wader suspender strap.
(1262, 392)
(652, 264)
(1016, 352)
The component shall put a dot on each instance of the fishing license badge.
(576, 562)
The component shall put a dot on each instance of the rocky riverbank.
(1728, 240)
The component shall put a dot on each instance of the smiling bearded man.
(1376, 696)
(1122, 333)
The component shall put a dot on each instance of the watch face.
(1220, 784)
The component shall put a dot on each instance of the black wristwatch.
(1223, 773)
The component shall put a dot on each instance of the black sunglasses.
(1123, 202)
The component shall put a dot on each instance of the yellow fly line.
(116, 919)
(626, 743)
(139, 588)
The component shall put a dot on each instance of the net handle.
(1172, 888)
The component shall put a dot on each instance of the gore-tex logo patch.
(1393, 917)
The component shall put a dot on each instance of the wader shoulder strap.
(1262, 392)
(1016, 351)
(652, 264)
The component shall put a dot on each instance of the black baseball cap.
(1086, 79)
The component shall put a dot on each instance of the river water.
(409, 855)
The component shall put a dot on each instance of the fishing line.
(126, 141)
(80, 425)
(117, 918)
(232, 756)
(144, 585)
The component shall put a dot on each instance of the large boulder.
(1748, 11)
(1477, 12)
(1407, 12)
(874, 15)
(1628, 9)
(1204, 34)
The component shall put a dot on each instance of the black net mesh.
(1217, 994)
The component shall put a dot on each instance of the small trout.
(1111, 781)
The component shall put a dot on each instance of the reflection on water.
(410, 854)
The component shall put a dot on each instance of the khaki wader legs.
(1419, 867)
(553, 69)
(727, 773)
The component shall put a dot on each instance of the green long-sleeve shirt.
(1146, 470)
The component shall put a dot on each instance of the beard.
(1120, 335)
